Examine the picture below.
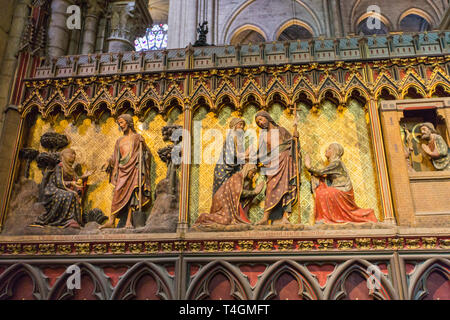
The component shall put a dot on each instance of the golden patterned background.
(349, 128)
(94, 144)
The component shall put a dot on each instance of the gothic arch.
(53, 109)
(249, 27)
(99, 108)
(170, 102)
(418, 12)
(390, 89)
(146, 105)
(28, 110)
(226, 99)
(126, 289)
(335, 290)
(331, 95)
(308, 286)
(358, 94)
(121, 107)
(419, 90)
(444, 91)
(101, 286)
(278, 96)
(289, 23)
(251, 98)
(318, 26)
(384, 20)
(417, 289)
(199, 288)
(14, 273)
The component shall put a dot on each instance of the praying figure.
(231, 203)
(334, 198)
(435, 147)
(129, 172)
(62, 193)
(232, 156)
(277, 156)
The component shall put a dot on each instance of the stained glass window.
(154, 39)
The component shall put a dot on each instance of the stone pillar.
(380, 158)
(183, 23)
(335, 17)
(398, 172)
(58, 33)
(95, 9)
(128, 20)
(9, 61)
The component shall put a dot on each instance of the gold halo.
(415, 134)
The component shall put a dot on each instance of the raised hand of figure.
(426, 148)
(88, 174)
(259, 187)
(307, 161)
(106, 167)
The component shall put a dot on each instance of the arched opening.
(370, 26)
(414, 23)
(295, 32)
(247, 36)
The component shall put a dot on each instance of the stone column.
(95, 9)
(183, 23)
(58, 33)
(335, 17)
(127, 20)
(9, 61)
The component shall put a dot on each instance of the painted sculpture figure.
(232, 156)
(276, 155)
(231, 202)
(128, 169)
(62, 192)
(435, 147)
(334, 197)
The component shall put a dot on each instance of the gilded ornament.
(47, 248)
(166, 247)
(210, 245)
(135, 247)
(117, 247)
(306, 245)
(265, 245)
(64, 248)
(245, 245)
(345, 244)
(412, 243)
(324, 244)
(444, 243)
(99, 248)
(13, 248)
(82, 248)
(395, 243)
(429, 243)
(180, 245)
(29, 249)
(285, 244)
(379, 243)
(195, 246)
(226, 246)
(151, 246)
(362, 243)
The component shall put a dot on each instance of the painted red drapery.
(336, 206)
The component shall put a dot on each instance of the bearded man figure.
(435, 147)
(130, 153)
(277, 157)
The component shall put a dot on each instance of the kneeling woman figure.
(335, 201)
(231, 202)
